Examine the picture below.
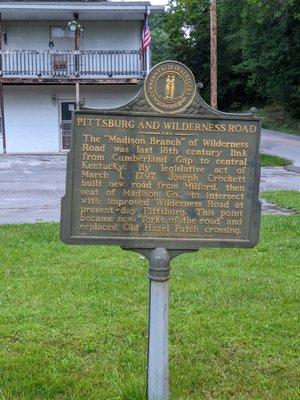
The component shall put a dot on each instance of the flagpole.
(146, 41)
(148, 60)
(148, 55)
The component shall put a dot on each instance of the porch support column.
(77, 48)
(2, 91)
(77, 32)
(1, 40)
(2, 117)
(77, 95)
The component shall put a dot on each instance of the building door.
(63, 59)
(66, 108)
(61, 38)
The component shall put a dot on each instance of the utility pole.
(213, 54)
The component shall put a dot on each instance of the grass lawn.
(267, 160)
(73, 319)
(283, 198)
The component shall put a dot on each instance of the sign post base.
(158, 331)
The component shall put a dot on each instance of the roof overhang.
(87, 10)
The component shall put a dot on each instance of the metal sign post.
(158, 330)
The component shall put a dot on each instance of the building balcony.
(66, 66)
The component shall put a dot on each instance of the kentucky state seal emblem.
(170, 87)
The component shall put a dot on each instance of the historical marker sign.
(164, 170)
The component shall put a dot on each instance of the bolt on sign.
(164, 170)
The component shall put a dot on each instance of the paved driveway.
(31, 186)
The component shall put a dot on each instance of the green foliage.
(270, 37)
(161, 49)
(277, 118)
(258, 49)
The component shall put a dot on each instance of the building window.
(61, 32)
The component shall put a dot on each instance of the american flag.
(146, 36)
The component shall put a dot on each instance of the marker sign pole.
(158, 336)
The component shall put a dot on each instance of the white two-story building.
(54, 54)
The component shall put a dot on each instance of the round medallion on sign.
(170, 87)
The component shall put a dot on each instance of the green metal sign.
(164, 170)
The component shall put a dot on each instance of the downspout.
(2, 92)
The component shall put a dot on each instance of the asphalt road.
(31, 186)
(281, 144)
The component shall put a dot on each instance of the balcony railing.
(71, 63)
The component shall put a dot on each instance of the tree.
(270, 37)
(188, 28)
(258, 48)
(161, 49)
